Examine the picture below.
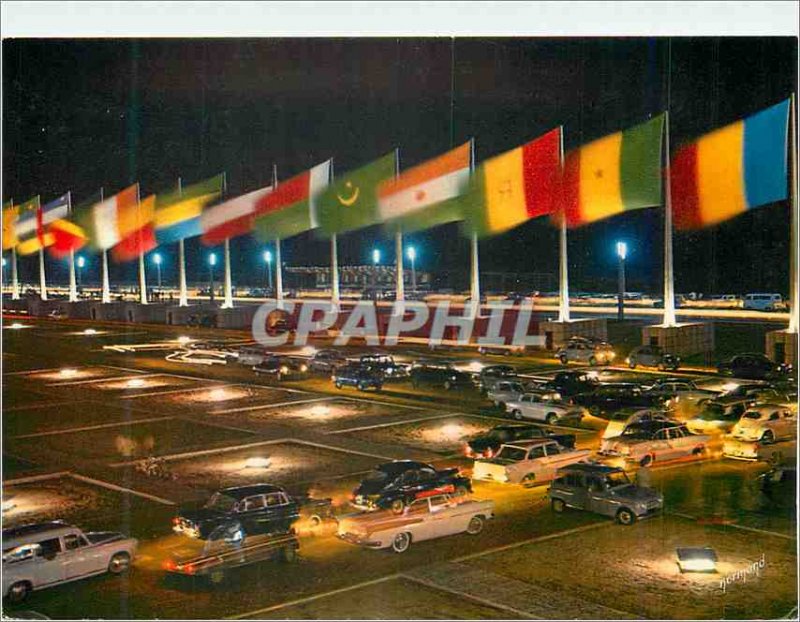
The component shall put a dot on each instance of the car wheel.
(448, 385)
(19, 591)
(529, 480)
(768, 437)
(338, 385)
(217, 577)
(120, 562)
(675, 367)
(517, 414)
(592, 361)
(475, 526)
(594, 410)
(401, 542)
(461, 491)
(662, 367)
(646, 461)
(314, 521)
(632, 364)
(626, 517)
(558, 506)
(551, 419)
(397, 506)
(362, 386)
(698, 451)
(563, 358)
(378, 387)
(289, 554)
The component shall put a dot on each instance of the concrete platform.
(781, 346)
(682, 339)
(557, 334)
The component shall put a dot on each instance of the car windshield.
(617, 478)
(376, 476)
(638, 431)
(712, 412)
(500, 435)
(511, 453)
(221, 502)
(752, 414)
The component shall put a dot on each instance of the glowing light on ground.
(219, 394)
(184, 339)
(17, 326)
(257, 463)
(320, 411)
(90, 331)
(135, 383)
(68, 372)
(449, 433)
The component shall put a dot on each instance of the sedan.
(645, 443)
(753, 367)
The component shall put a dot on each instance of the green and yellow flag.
(10, 212)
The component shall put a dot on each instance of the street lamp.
(157, 261)
(622, 253)
(212, 261)
(80, 262)
(411, 252)
(376, 259)
(268, 262)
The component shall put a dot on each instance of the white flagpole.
(105, 292)
(794, 291)
(42, 278)
(142, 275)
(14, 275)
(228, 301)
(278, 260)
(475, 279)
(398, 244)
(183, 297)
(563, 265)
(73, 286)
(669, 277)
(334, 261)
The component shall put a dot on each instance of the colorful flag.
(417, 198)
(141, 238)
(110, 221)
(10, 213)
(731, 170)
(514, 187)
(231, 218)
(30, 233)
(67, 237)
(614, 174)
(177, 214)
(351, 202)
(292, 208)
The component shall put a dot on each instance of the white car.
(424, 519)
(541, 408)
(527, 462)
(47, 554)
(199, 357)
(627, 416)
(766, 423)
(654, 441)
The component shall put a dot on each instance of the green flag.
(351, 202)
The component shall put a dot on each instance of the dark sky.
(81, 114)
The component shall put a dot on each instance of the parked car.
(569, 383)
(355, 375)
(778, 453)
(490, 375)
(647, 442)
(486, 445)
(779, 485)
(57, 314)
(255, 509)
(393, 485)
(281, 367)
(719, 415)
(609, 398)
(42, 555)
(653, 356)
(505, 391)
(252, 355)
(603, 490)
(763, 302)
(629, 416)
(385, 365)
(544, 408)
(527, 462)
(753, 367)
(442, 374)
(327, 361)
(424, 519)
(586, 351)
(766, 423)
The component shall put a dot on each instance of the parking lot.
(79, 420)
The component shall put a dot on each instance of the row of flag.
(716, 177)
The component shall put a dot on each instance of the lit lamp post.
(268, 262)
(622, 253)
(411, 252)
(157, 261)
(376, 259)
(212, 261)
(80, 263)
(4, 271)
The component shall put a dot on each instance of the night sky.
(81, 114)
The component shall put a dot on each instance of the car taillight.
(189, 569)
(168, 565)
(488, 453)
(176, 520)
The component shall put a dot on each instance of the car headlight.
(284, 369)
(304, 368)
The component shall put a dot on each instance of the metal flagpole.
(228, 301)
(42, 278)
(14, 275)
(669, 282)
(794, 291)
(398, 244)
(73, 287)
(278, 261)
(475, 283)
(334, 261)
(106, 288)
(563, 265)
(183, 297)
(142, 276)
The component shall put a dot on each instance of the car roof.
(531, 443)
(585, 467)
(23, 532)
(240, 492)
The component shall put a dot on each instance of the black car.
(357, 376)
(492, 374)
(439, 374)
(610, 398)
(753, 367)
(486, 445)
(281, 367)
(569, 383)
(394, 485)
(779, 485)
(254, 509)
(385, 365)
